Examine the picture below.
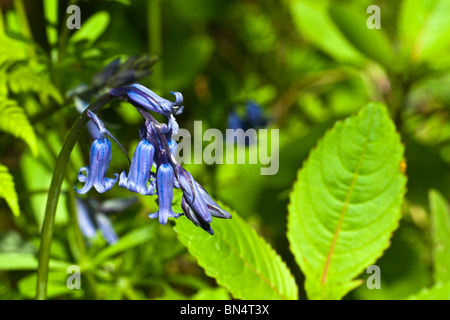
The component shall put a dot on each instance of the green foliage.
(346, 202)
(372, 43)
(239, 259)
(13, 120)
(8, 191)
(314, 22)
(24, 79)
(93, 28)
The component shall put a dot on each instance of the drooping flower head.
(156, 148)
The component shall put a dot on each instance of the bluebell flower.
(90, 220)
(139, 174)
(164, 186)
(151, 101)
(156, 148)
(192, 195)
(197, 204)
(100, 157)
(255, 115)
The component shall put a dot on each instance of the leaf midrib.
(345, 206)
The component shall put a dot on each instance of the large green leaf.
(346, 202)
(13, 120)
(440, 223)
(374, 43)
(8, 190)
(239, 259)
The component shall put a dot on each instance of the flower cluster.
(155, 149)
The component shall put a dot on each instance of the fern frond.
(13, 120)
(24, 79)
(8, 190)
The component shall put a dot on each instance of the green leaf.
(131, 239)
(26, 261)
(440, 224)
(239, 259)
(373, 43)
(423, 29)
(14, 121)
(346, 202)
(92, 28)
(313, 21)
(8, 190)
(57, 285)
(211, 294)
(438, 292)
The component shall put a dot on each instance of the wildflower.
(164, 186)
(140, 169)
(90, 221)
(155, 148)
(93, 216)
(197, 204)
(100, 157)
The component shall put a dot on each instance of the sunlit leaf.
(8, 191)
(239, 259)
(346, 202)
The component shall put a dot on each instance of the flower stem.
(54, 192)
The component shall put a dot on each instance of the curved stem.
(54, 192)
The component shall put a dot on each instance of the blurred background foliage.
(305, 63)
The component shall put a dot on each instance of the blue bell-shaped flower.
(164, 187)
(140, 169)
(100, 157)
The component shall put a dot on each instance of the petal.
(190, 214)
(214, 209)
(140, 169)
(193, 196)
(89, 182)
